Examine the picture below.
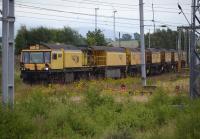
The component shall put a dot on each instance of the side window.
(54, 56)
(47, 57)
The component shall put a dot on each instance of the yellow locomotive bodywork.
(60, 58)
(153, 56)
(115, 59)
(156, 57)
(107, 57)
(73, 59)
(133, 56)
(168, 56)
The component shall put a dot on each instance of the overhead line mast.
(143, 65)
(8, 20)
(194, 56)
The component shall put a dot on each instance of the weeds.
(84, 111)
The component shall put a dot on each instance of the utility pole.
(96, 9)
(143, 65)
(189, 46)
(194, 67)
(8, 20)
(154, 25)
(186, 45)
(119, 39)
(149, 38)
(179, 49)
(114, 26)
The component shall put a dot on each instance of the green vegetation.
(100, 110)
(66, 35)
(96, 38)
(163, 39)
(126, 37)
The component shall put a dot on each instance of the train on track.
(67, 63)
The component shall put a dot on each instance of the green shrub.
(119, 134)
(188, 123)
(14, 125)
(94, 99)
(37, 104)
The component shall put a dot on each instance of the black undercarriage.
(76, 74)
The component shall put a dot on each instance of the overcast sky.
(79, 14)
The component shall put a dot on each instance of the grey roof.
(108, 49)
(61, 46)
(126, 44)
(152, 50)
(134, 49)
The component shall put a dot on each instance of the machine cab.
(41, 58)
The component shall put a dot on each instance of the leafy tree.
(21, 39)
(126, 37)
(96, 38)
(137, 36)
(46, 35)
(162, 39)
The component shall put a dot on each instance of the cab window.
(47, 57)
(36, 57)
(54, 56)
(25, 57)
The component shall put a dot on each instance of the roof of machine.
(108, 49)
(61, 46)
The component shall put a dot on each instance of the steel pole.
(143, 65)
(149, 38)
(192, 50)
(96, 9)
(154, 25)
(8, 53)
(114, 26)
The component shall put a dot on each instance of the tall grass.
(99, 116)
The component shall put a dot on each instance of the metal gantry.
(194, 56)
(8, 20)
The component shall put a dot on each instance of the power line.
(70, 21)
(104, 3)
(59, 5)
(127, 8)
(85, 14)
(77, 13)
(67, 17)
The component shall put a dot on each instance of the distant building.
(126, 44)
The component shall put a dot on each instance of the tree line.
(64, 35)
(160, 39)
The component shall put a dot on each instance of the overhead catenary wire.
(119, 23)
(111, 9)
(70, 17)
(77, 13)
